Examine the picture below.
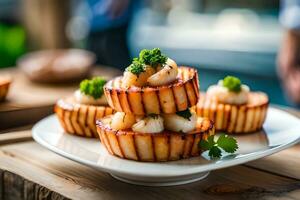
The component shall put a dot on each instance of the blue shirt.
(99, 14)
(290, 14)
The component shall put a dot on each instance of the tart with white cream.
(233, 107)
(78, 113)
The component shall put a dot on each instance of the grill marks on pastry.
(145, 100)
(233, 118)
(80, 119)
(165, 146)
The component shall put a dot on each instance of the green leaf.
(185, 114)
(215, 152)
(227, 143)
(204, 145)
(211, 140)
(152, 57)
(232, 83)
(207, 144)
(136, 67)
(93, 87)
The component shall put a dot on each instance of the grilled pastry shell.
(4, 86)
(80, 119)
(177, 96)
(164, 146)
(235, 118)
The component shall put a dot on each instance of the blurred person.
(289, 54)
(109, 20)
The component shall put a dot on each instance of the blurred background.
(218, 37)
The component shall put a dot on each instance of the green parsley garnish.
(152, 57)
(225, 142)
(93, 87)
(136, 67)
(232, 83)
(185, 114)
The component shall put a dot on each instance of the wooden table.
(29, 171)
(28, 102)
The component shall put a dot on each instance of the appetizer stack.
(233, 107)
(153, 112)
(77, 114)
(154, 120)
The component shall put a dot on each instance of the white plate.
(281, 130)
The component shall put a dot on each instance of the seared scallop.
(177, 123)
(121, 121)
(150, 124)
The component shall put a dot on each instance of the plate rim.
(195, 170)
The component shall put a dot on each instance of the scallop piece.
(174, 122)
(121, 121)
(151, 124)
(166, 75)
(139, 80)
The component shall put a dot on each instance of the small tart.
(4, 87)
(235, 118)
(153, 147)
(178, 96)
(79, 119)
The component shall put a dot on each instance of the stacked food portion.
(233, 107)
(154, 120)
(77, 114)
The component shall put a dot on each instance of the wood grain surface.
(27, 167)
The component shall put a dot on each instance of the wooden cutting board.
(28, 102)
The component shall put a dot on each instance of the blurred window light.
(290, 16)
(77, 28)
(232, 22)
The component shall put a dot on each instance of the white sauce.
(86, 99)
(224, 95)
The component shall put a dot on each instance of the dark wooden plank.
(16, 187)
(29, 190)
(13, 186)
(1, 184)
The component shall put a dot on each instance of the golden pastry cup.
(235, 118)
(79, 119)
(4, 87)
(177, 96)
(153, 147)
